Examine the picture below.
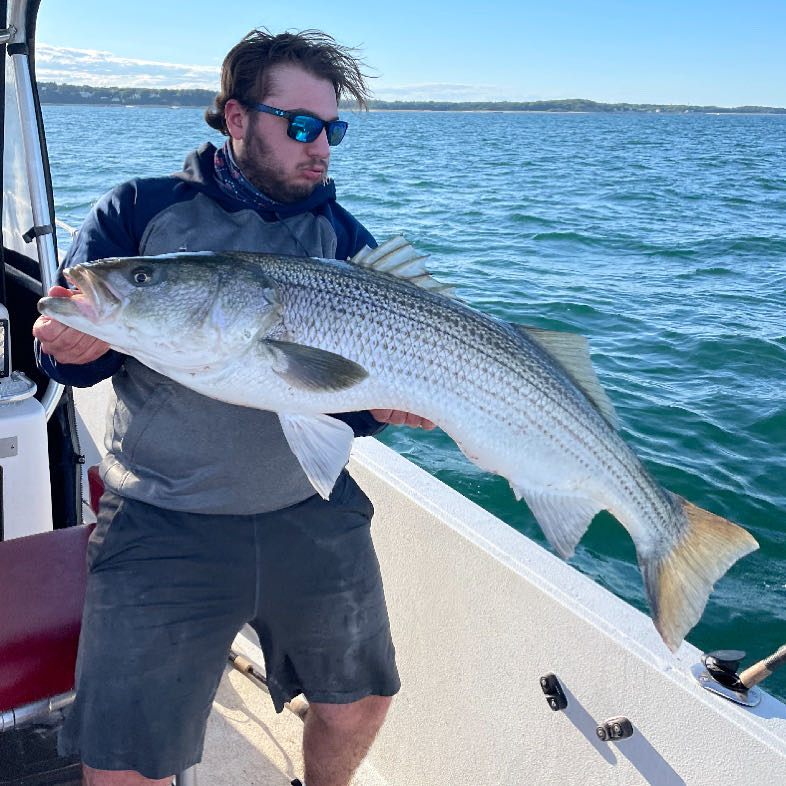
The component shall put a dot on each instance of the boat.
(516, 668)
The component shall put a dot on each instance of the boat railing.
(42, 229)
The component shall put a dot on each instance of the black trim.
(18, 49)
(34, 232)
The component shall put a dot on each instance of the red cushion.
(43, 579)
(96, 486)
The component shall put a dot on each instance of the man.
(207, 521)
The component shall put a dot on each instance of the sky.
(722, 53)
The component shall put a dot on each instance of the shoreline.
(447, 110)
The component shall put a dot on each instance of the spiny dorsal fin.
(571, 351)
(398, 258)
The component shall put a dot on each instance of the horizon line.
(153, 91)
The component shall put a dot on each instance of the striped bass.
(303, 336)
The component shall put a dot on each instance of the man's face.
(282, 168)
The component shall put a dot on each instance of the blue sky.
(726, 52)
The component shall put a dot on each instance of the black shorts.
(167, 593)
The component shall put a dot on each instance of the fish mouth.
(93, 298)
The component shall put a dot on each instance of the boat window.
(17, 212)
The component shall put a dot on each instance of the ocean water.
(661, 238)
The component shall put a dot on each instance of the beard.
(260, 166)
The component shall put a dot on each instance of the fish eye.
(141, 276)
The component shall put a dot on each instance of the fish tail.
(679, 582)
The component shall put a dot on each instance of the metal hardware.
(615, 729)
(9, 447)
(555, 696)
(187, 777)
(14, 718)
(748, 698)
(719, 674)
(68, 228)
(16, 387)
(7, 33)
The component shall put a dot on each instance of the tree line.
(53, 93)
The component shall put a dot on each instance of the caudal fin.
(679, 583)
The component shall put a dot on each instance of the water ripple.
(660, 238)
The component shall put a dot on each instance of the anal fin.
(563, 518)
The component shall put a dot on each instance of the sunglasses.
(306, 128)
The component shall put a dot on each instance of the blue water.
(661, 238)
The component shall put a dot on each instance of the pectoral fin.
(308, 368)
(321, 444)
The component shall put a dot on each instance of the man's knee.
(367, 713)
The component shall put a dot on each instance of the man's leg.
(323, 626)
(166, 594)
(91, 777)
(336, 738)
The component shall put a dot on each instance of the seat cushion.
(43, 589)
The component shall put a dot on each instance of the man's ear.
(236, 118)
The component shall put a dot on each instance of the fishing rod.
(719, 674)
(298, 705)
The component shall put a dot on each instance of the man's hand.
(66, 344)
(398, 418)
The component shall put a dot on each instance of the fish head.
(173, 308)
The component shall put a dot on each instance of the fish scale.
(485, 375)
(304, 337)
(310, 309)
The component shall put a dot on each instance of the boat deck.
(247, 742)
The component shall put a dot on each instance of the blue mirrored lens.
(305, 128)
(336, 131)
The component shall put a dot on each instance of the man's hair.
(246, 72)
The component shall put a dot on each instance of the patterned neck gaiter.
(233, 182)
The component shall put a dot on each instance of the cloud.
(95, 68)
(103, 69)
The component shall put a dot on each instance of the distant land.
(53, 93)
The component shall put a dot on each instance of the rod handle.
(753, 675)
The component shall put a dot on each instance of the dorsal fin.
(398, 258)
(571, 351)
